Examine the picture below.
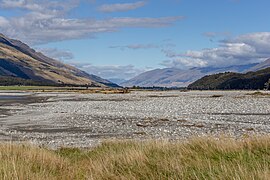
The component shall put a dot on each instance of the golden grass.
(85, 91)
(203, 158)
(259, 93)
(81, 90)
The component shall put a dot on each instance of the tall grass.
(204, 158)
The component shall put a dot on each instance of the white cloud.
(109, 8)
(42, 6)
(57, 54)
(3, 22)
(245, 49)
(164, 44)
(111, 71)
(45, 21)
(216, 34)
(137, 46)
(39, 29)
(183, 63)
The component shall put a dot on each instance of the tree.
(267, 85)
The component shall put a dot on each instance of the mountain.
(18, 60)
(152, 78)
(172, 77)
(229, 80)
(262, 65)
(117, 80)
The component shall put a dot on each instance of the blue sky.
(120, 39)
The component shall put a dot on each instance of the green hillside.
(228, 80)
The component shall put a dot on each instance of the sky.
(123, 38)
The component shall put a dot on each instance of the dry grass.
(80, 90)
(259, 93)
(205, 158)
(85, 91)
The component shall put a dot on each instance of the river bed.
(84, 120)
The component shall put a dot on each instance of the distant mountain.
(117, 80)
(229, 80)
(262, 65)
(152, 78)
(18, 60)
(172, 77)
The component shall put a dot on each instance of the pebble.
(85, 120)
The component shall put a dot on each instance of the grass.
(259, 93)
(205, 158)
(24, 88)
(82, 90)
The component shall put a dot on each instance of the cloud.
(3, 22)
(244, 49)
(170, 53)
(41, 6)
(137, 46)
(109, 8)
(111, 71)
(216, 34)
(57, 54)
(183, 63)
(23, 4)
(38, 28)
(145, 46)
(45, 21)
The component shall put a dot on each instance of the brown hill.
(19, 60)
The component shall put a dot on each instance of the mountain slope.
(262, 65)
(172, 77)
(230, 80)
(151, 78)
(19, 60)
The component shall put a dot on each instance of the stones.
(142, 125)
(83, 120)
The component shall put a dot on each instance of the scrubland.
(197, 158)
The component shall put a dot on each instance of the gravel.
(84, 120)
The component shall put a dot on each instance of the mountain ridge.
(173, 77)
(230, 80)
(17, 59)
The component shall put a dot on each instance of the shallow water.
(8, 97)
(9, 100)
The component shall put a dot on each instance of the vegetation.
(205, 158)
(156, 88)
(228, 80)
(81, 90)
(25, 88)
(10, 81)
(259, 93)
(19, 60)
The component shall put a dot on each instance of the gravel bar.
(84, 120)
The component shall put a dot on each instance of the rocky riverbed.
(83, 120)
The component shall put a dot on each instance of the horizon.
(121, 39)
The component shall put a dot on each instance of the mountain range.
(173, 77)
(18, 60)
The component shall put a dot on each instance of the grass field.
(196, 159)
(82, 90)
(23, 88)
